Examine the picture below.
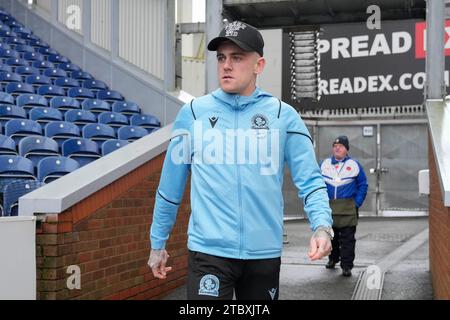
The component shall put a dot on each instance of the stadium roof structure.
(282, 13)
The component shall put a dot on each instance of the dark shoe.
(330, 264)
(347, 272)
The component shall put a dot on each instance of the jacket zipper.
(239, 179)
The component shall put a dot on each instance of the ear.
(259, 66)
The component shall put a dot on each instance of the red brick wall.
(439, 235)
(107, 236)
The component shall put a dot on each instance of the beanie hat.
(342, 140)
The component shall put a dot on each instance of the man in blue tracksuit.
(235, 142)
(347, 188)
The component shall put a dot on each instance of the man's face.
(339, 151)
(237, 69)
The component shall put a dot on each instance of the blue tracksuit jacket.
(236, 147)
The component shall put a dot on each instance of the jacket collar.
(334, 161)
(238, 102)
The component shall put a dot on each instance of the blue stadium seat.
(37, 81)
(13, 192)
(6, 68)
(45, 115)
(21, 31)
(84, 151)
(37, 148)
(15, 41)
(6, 98)
(109, 95)
(113, 145)
(95, 85)
(96, 106)
(16, 88)
(50, 91)
(23, 48)
(47, 51)
(9, 112)
(15, 62)
(15, 168)
(80, 117)
(30, 37)
(33, 56)
(8, 54)
(67, 83)
(30, 101)
(131, 133)
(43, 65)
(58, 59)
(99, 133)
(65, 104)
(55, 73)
(61, 131)
(8, 77)
(18, 129)
(81, 94)
(69, 68)
(39, 44)
(146, 121)
(127, 108)
(5, 46)
(52, 168)
(7, 146)
(113, 119)
(81, 75)
(25, 71)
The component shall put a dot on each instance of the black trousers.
(344, 246)
(217, 278)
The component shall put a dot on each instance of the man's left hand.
(319, 246)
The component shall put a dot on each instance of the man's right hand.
(157, 262)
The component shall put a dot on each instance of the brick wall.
(107, 237)
(439, 217)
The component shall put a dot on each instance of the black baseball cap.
(245, 36)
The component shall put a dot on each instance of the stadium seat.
(81, 94)
(13, 192)
(127, 108)
(30, 101)
(81, 75)
(6, 54)
(131, 133)
(9, 112)
(96, 106)
(16, 62)
(109, 96)
(84, 151)
(113, 145)
(16, 88)
(80, 117)
(55, 73)
(37, 81)
(50, 91)
(7, 146)
(146, 121)
(39, 44)
(67, 83)
(6, 98)
(113, 119)
(8, 77)
(37, 148)
(47, 51)
(43, 65)
(99, 133)
(95, 85)
(33, 56)
(26, 71)
(6, 68)
(5, 46)
(15, 168)
(15, 41)
(23, 48)
(52, 168)
(45, 115)
(65, 104)
(61, 131)
(69, 68)
(21, 31)
(20, 128)
(58, 59)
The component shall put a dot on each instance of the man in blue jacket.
(235, 142)
(347, 188)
